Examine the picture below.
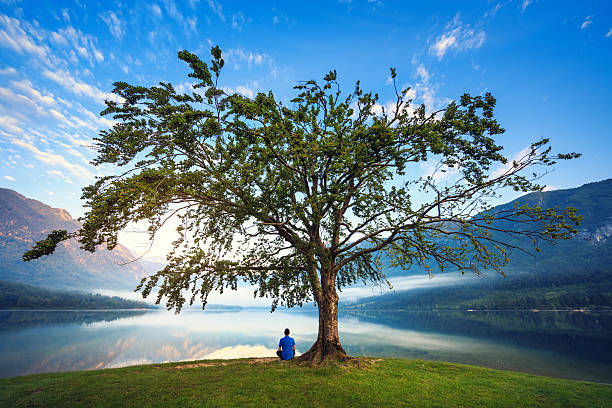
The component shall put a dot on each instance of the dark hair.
(286, 332)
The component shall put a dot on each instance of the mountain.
(23, 221)
(569, 274)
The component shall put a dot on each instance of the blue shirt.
(286, 344)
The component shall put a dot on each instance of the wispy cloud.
(239, 57)
(114, 23)
(509, 165)
(60, 175)
(9, 178)
(13, 36)
(189, 23)
(422, 73)
(82, 44)
(248, 90)
(156, 10)
(8, 71)
(53, 159)
(609, 34)
(216, 8)
(65, 79)
(27, 88)
(65, 15)
(458, 37)
(11, 124)
(587, 22)
(238, 21)
(525, 4)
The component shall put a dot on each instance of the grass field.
(266, 382)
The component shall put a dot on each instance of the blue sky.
(548, 63)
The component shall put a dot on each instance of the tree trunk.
(327, 346)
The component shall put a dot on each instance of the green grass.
(247, 383)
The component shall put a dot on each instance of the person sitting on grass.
(286, 347)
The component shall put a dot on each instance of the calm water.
(561, 344)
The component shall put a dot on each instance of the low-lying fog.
(244, 295)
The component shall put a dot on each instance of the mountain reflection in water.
(568, 345)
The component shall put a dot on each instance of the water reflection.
(564, 345)
(19, 319)
(576, 334)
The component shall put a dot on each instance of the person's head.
(286, 332)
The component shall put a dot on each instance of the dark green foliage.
(18, 296)
(46, 246)
(302, 199)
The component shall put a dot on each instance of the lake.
(570, 345)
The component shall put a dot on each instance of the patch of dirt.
(224, 363)
(36, 391)
(183, 366)
(263, 360)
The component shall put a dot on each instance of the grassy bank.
(257, 382)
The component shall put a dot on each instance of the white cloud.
(66, 80)
(60, 117)
(11, 124)
(525, 4)
(99, 120)
(509, 165)
(609, 34)
(13, 36)
(19, 102)
(65, 15)
(458, 37)
(246, 90)
(237, 21)
(53, 159)
(156, 10)
(83, 44)
(495, 9)
(422, 73)
(438, 172)
(189, 24)
(60, 175)
(9, 178)
(26, 87)
(114, 23)
(237, 57)
(587, 22)
(8, 71)
(98, 55)
(217, 9)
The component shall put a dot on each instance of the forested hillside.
(570, 274)
(18, 296)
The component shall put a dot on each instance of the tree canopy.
(303, 198)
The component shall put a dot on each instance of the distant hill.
(23, 221)
(19, 296)
(570, 274)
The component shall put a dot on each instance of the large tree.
(303, 199)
